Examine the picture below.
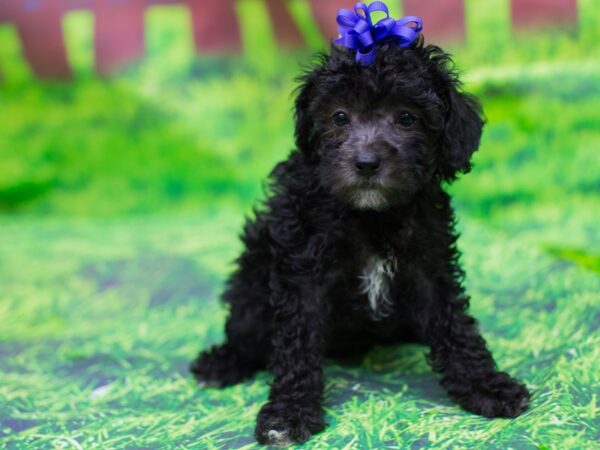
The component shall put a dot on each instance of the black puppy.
(355, 245)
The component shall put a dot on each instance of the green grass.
(96, 340)
(577, 256)
(121, 201)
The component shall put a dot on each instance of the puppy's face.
(373, 154)
(380, 133)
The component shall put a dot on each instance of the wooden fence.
(119, 25)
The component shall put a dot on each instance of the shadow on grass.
(12, 197)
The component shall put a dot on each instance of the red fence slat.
(119, 31)
(70, 5)
(528, 13)
(215, 26)
(443, 20)
(10, 10)
(325, 13)
(40, 31)
(286, 31)
(119, 35)
(164, 2)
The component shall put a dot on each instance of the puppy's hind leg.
(223, 365)
(245, 351)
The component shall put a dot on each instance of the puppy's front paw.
(499, 396)
(280, 424)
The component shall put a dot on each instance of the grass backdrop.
(121, 201)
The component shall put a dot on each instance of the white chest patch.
(376, 280)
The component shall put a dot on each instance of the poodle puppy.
(355, 244)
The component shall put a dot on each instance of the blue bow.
(357, 31)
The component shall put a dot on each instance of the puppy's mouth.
(368, 195)
(364, 193)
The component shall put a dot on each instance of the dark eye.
(341, 119)
(405, 119)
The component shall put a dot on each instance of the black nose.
(367, 164)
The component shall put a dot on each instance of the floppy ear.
(304, 122)
(461, 134)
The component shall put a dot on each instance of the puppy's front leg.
(294, 412)
(470, 376)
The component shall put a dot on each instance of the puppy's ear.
(462, 132)
(304, 122)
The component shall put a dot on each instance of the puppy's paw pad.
(282, 424)
(279, 439)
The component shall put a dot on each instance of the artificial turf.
(121, 201)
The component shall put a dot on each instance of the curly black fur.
(337, 261)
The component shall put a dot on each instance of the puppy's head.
(380, 133)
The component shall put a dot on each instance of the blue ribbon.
(357, 31)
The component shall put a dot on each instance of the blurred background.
(136, 134)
